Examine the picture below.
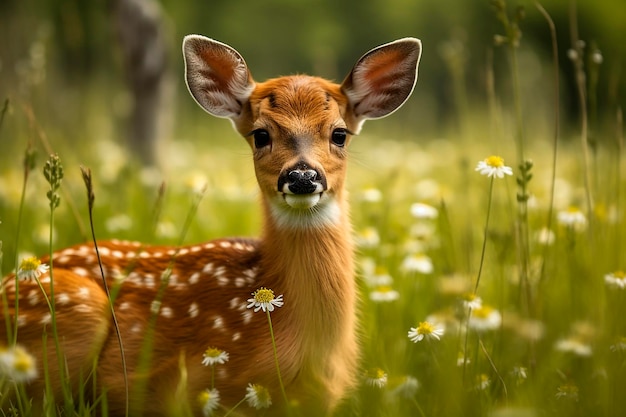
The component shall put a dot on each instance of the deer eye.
(339, 137)
(261, 138)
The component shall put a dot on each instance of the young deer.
(298, 128)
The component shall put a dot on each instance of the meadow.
(512, 288)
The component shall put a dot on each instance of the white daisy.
(31, 268)
(616, 280)
(384, 293)
(485, 318)
(493, 166)
(258, 396)
(17, 364)
(214, 356)
(209, 400)
(263, 299)
(376, 377)
(425, 331)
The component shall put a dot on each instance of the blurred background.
(113, 69)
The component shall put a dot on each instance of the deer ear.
(217, 76)
(383, 79)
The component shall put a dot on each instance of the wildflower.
(619, 345)
(258, 396)
(616, 280)
(424, 211)
(493, 167)
(567, 392)
(574, 345)
(482, 382)
(462, 359)
(406, 388)
(376, 276)
(596, 57)
(214, 356)
(263, 299)
(418, 263)
(17, 364)
(572, 54)
(368, 238)
(572, 218)
(384, 293)
(119, 223)
(471, 300)
(209, 400)
(31, 268)
(376, 378)
(371, 195)
(545, 237)
(520, 374)
(485, 318)
(425, 331)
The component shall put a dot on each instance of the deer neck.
(313, 268)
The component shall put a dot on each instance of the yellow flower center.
(263, 295)
(483, 312)
(30, 264)
(495, 161)
(203, 397)
(262, 394)
(425, 328)
(384, 288)
(376, 373)
(619, 274)
(23, 362)
(470, 296)
(213, 352)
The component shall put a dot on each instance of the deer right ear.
(217, 76)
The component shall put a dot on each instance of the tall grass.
(550, 338)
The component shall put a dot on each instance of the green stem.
(236, 405)
(482, 253)
(280, 379)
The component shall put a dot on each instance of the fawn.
(298, 128)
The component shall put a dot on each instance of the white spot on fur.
(124, 306)
(63, 298)
(167, 312)
(145, 255)
(209, 245)
(104, 251)
(183, 251)
(33, 297)
(136, 328)
(219, 271)
(218, 323)
(80, 271)
(235, 302)
(208, 268)
(21, 321)
(222, 281)
(225, 244)
(83, 292)
(82, 308)
(63, 259)
(171, 252)
(194, 278)
(157, 254)
(45, 319)
(195, 249)
(193, 310)
(238, 246)
(240, 282)
(236, 336)
(117, 254)
(247, 316)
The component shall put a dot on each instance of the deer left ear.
(383, 79)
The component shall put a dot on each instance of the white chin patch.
(302, 201)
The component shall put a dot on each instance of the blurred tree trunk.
(140, 29)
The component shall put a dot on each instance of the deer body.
(298, 128)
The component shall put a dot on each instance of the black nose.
(302, 181)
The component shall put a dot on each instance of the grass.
(539, 262)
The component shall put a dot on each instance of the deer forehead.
(298, 104)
